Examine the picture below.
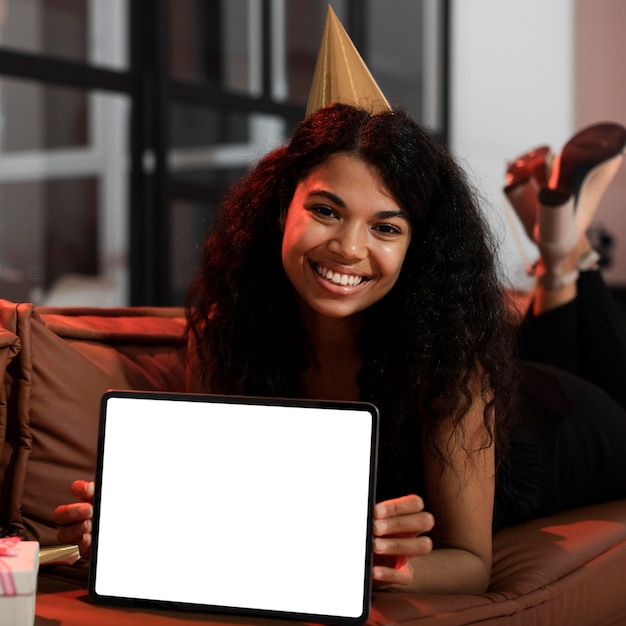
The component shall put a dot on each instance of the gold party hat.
(341, 74)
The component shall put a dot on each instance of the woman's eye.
(387, 229)
(323, 211)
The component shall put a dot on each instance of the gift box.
(19, 563)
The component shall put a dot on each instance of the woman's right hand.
(74, 520)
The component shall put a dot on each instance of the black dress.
(569, 448)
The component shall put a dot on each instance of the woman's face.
(345, 237)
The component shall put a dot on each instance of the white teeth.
(337, 278)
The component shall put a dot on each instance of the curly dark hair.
(444, 323)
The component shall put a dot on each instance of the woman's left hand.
(399, 525)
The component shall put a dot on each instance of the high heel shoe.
(524, 177)
(587, 165)
(557, 197)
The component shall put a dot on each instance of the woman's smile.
(345, 237)
(337, 278)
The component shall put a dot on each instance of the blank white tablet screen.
(235, 505)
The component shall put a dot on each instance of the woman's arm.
(460, 499)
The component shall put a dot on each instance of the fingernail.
(380, 527)
(85, 509)
(380, 545)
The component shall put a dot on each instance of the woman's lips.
(337, 278)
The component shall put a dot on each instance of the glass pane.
(395, 52)
(64, 199)
(195, 126)
(304, 23)
(209, 177)
(48, 230)
(68, 29)
(216, 43)
(36, 117)
(214, 146)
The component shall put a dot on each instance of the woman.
(354, 264)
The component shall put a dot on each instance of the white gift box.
(19, 563)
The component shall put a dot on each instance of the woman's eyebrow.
(386, 215)
(382, 215)
(328, 195)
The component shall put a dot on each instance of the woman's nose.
(350, 242)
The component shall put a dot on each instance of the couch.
(55, 363)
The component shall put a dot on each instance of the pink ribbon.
(7, 548)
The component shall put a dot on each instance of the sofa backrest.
(55, 364)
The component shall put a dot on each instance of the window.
(64, 102)
(122, 122)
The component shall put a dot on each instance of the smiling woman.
(345, 238)
(353, 264)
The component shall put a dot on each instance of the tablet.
(255, 506)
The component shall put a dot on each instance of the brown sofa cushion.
(55, 365)
(565, 569)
